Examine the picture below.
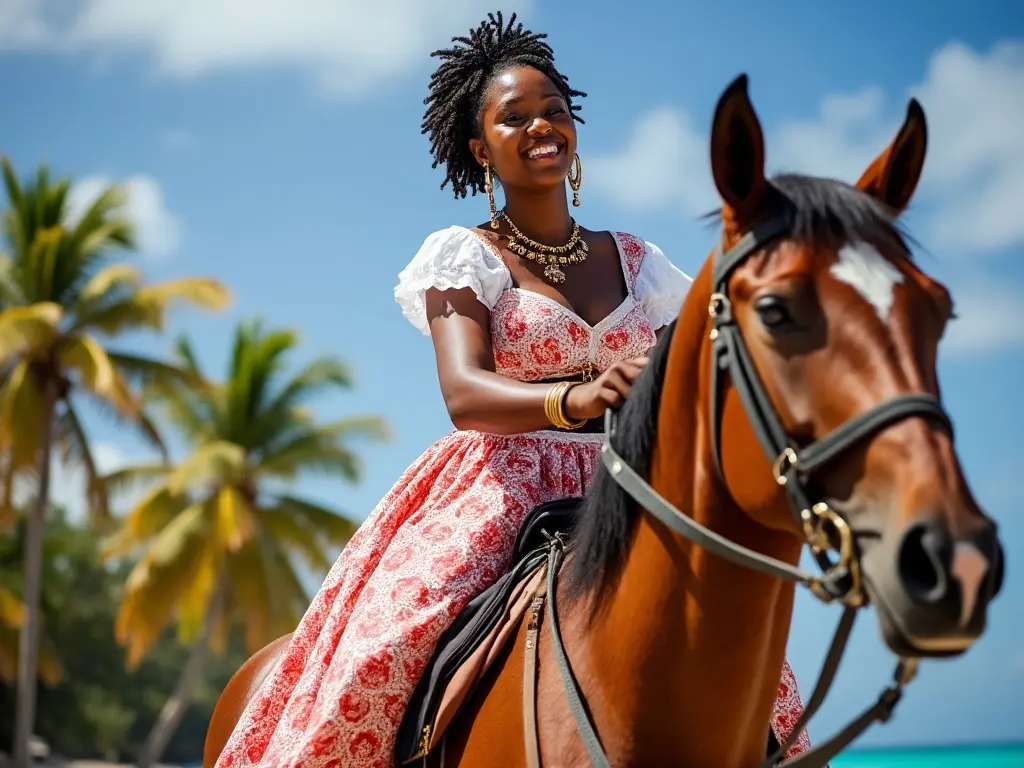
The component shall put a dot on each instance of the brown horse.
(795, 401)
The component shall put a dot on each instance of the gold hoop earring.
(575, 177)
(489, 186)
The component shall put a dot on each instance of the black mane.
(832, 213)
(822, 211)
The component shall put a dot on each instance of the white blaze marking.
(969, 568)
(872, 275)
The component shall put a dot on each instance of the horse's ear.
(737, 153)
(894, 175)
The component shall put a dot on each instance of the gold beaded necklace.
(551, 257)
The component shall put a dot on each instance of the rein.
(824, 529)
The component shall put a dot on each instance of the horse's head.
(819, 292)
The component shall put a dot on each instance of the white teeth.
(543, 150)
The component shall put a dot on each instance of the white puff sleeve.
(450, 258)
(661, 287)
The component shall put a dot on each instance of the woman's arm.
(480, 399)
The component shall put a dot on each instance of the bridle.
(824, 529)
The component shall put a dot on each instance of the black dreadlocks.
(458, 86)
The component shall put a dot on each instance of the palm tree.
(219, 533)
(59, 295)
(12, 612)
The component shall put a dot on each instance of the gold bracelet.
(550, 413)
(554, 406)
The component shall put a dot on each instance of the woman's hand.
(591, 400)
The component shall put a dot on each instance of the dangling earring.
(576, 179)
(489, 186)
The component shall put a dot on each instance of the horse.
(795, 401)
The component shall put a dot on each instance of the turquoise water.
(993, 756)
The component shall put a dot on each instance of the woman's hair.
(458, 86)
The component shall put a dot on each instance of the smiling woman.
(539, 325)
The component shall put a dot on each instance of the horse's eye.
(773, 312)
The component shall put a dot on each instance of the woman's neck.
(543, 216)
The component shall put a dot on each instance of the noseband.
(793, 466)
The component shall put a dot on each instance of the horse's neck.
(690, 649)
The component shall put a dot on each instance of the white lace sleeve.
(449, 258)
(661, 287)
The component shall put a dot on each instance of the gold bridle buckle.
(716, 303)
(787, 460)
(820, 540)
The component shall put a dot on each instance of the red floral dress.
(446, 529)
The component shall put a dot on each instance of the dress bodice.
(534, 337)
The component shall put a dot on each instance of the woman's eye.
(772, 312)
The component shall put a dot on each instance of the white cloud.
(158, 230)
(990, 316)
(665, 160)
(847, 134)
(974, 175)
(22, 25)
(349, 46)
(975, 105)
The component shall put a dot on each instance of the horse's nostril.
(924, 557)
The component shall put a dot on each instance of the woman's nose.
(539, 127)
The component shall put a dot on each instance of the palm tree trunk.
(174, 709)
(28, 640)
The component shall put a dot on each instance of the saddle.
(469, 646)
(466, 650)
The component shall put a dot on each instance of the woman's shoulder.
(451, 258)
(456, 243)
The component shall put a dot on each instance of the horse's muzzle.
(932, 589)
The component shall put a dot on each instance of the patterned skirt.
(443, 534)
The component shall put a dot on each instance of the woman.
(524, 300)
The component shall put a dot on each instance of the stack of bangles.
(554, 406)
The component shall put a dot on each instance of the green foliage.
(214, 545)
(100, 709)
(61, 302)
(220, 515)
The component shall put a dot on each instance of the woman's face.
(529, 136)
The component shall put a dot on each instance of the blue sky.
(276, 146)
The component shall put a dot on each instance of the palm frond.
(234, 517)
(29, 329)
(249, 593)
(147, 307)
(149, 374)
(76, 450)
(127, 479)
(153, 512)
(162, 578)
(10, 289)
(22, 412)
(322, 449)
(140, 421)
(95, 372)
(212, 465)
(332, 527)
(115, 279)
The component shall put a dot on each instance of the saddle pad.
(466, 649)
(464, 653)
